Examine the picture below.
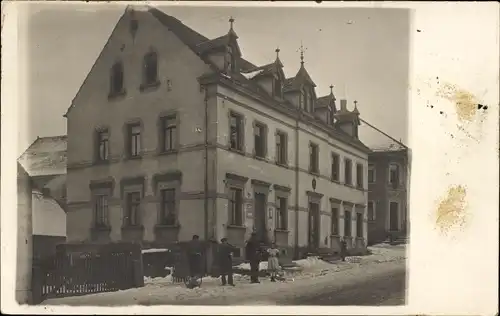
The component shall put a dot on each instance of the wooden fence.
(71, 273)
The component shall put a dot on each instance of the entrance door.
(260, 216)
(313, 240)
(394, 216)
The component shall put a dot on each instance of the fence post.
(36, 285)
(138, 274)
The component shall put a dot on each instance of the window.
(347, 223)
(335, 221)
(134, 141)
(101, 211)
(371, 174)
(133, 209)
(371, 210)
(230, 62)
(348, 172)
(260, 140)
(236, 133)
(281, 213)
(359, 175)
(103, 145)
(335, 167)
(235, 207)
(311, 102)
(303, 103)
(313, 158)
(150, 68)
(277, 87)
(359, 225)
(281, 148)
(169, 133)
(168, 215)
(394, 175)
(116, 80)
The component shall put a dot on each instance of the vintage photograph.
(213, 155)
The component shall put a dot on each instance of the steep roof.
(49, 218)
(377, 140)
(46, 156)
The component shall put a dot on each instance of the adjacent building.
(388, 183)
(173, 134)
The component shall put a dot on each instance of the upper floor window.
(348, 172)
(311, 103)
(236, 131)
(277, 87)
(169, 133)
(281, 148)
(335, 221)
(359, 176)
(150, 68)
(303, 100)
(313, 158)
(168, 214)
(371, 211)
(335, 167)
(371, 174)
(134, 140)
(260, 140)
(230, 61)
(394, 174)
(116, 78)
(103, 145)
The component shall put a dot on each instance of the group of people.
(253, 254)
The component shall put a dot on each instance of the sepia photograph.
(213, 155)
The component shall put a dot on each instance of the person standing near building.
(252, 253)
(194, 252)
(343, 249)
(226, 251)
(273, 265)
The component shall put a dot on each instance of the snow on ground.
(316, 273)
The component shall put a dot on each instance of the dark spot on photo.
(441, 112)
(419, 31)
(480, 106)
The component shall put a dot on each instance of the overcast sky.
(363, 52)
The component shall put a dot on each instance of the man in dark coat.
(226, 261)
(194, 252)
(343, 249)
(252, 253)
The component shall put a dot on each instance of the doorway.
(394, 216)
(313, 239)
(260, 216)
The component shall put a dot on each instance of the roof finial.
(356, 107)
(231, 21)
(302, 50)
(277, 53)
(331, 89)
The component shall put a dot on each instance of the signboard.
(249, 211)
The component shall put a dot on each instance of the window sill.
(278, 230)
(335, 181)
(314, 173)
(145, 87)
(260, 158)
(101, 162)
(101, 228)
(164, 226)
(282, 164)
(360, 238)
(168, 152)
(117, 95)
(237, 151)
(236, 227)
(133, 227)
(138, 157)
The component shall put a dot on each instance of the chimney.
(343, 105)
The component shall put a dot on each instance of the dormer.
(348, 121)
(299, 90)
(224, 51)
(325, 108)
(270, 77)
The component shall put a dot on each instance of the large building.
(173, 134)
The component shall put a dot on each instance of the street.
(387, 289)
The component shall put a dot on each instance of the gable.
(45, 157)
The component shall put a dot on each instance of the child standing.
(273, 265)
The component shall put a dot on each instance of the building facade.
(173, 134)
(388, 182)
